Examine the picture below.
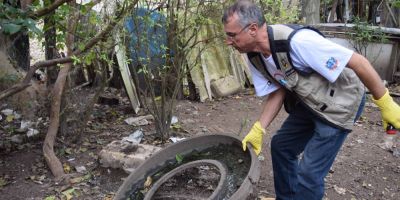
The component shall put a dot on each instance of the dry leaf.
(69, 193)
(67, 168)
(148, 182)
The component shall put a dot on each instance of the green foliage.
(86, 27)
(276, 13)
(179, 158)
(160, 49)
(76, 60)
(7, 79)
(14, 20)
(395, 3)
(363, 34)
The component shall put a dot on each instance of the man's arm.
(272, 106)
(367, 74)
(390, 110)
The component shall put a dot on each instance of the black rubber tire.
(137, 178)
(220, 190)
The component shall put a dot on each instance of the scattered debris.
(396, 152)
(69, 193)
(80, 179)
(139, 121)
(18, 139)
(148, 182)
(3, 182)
(32, 132)
(7, 112)
(174, 120)
(80, 169)
(135, 137)
(339, 190)
(24, 126)
(176, 139)
(67, 168)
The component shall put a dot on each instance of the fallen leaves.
(80, 179)
(3, 182)
(148, 182)
(38, 179)
(69, 193)
(51, 197)
(67, 168)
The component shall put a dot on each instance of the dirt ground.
(362, 169)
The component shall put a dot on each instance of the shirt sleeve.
(310, 50)
(262, 86)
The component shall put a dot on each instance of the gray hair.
(247, 11)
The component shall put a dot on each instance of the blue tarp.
(148, 26)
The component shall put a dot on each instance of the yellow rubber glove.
(390, 110)
(254, 137)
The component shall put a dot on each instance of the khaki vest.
(337, 103)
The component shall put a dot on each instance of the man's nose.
(228, 41)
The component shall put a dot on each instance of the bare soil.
(362, 169)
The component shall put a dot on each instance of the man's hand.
(254, 137)
(390, 111)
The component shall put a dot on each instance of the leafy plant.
(160, 43)
(14, 20)
(179, 158)
(276, 12)
(362, 34)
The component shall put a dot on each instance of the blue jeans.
(302, 178)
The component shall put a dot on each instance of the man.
(326, 86)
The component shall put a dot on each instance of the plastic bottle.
(390, 137)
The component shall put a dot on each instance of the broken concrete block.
(225, 86)
(126, 155)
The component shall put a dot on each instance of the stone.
(225, 86)
(126, 155)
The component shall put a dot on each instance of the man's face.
(236, 35)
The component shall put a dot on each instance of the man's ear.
(253, 28)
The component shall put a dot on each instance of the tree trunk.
(48, 146)
(310, 9)
(333, 11)
(50, 44)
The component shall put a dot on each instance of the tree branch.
(44, 11)
(47, 63)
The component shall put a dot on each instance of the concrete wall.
(378, 54)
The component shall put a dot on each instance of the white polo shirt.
(309, 52)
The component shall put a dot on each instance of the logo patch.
(332, 63)
(285, 63)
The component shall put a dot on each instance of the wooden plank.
(126, 74)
